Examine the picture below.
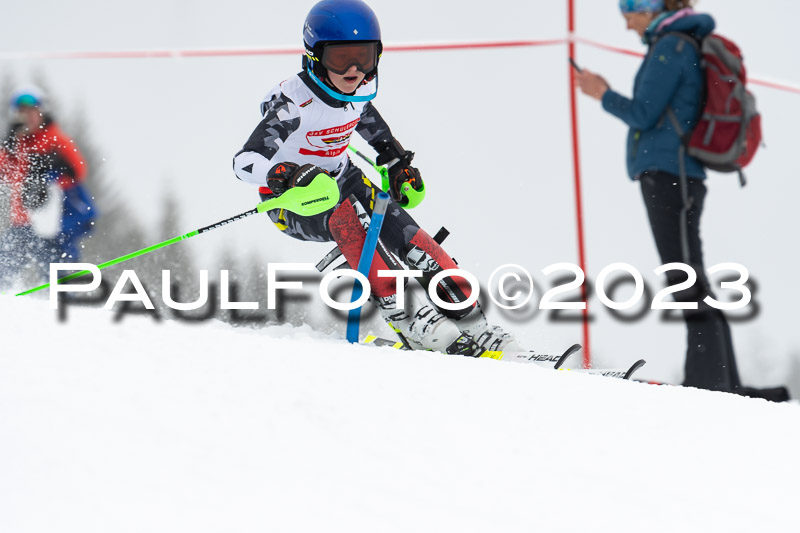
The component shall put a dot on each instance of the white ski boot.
(488, 337)
(423, 327)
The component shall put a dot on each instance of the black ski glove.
(400, 170)
(43, 168)
(34, 192)
(284, 176)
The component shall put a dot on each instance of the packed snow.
(163, 426)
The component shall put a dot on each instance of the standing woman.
(671, 78)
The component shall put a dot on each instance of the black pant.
(710, 359)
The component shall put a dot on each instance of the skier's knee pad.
(347, 225)
(426, 255)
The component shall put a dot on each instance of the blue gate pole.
(365, 262)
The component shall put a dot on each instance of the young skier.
(306, 128)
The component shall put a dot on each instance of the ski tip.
(566, 355)
(636, 366)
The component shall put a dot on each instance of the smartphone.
(575, 65)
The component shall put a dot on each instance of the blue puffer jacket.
(670, 76)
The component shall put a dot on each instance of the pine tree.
(116, 231)
(116, 228)
(177, 258)
(254, 289)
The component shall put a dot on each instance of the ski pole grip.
(381, 204)
(413, 197)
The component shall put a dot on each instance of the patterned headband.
(641, 6)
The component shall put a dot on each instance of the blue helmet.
(342, 25)
(340, 20)
(27, 97)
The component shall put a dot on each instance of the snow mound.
(146, 426)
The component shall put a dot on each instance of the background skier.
(36, 152)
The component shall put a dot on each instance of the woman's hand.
(591, 84)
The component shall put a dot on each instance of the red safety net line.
(166, 54)
(410, 47)
(750, 80)
(463, 46)
(234, 52)
(602, 46)
(774, 85)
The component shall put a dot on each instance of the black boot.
(774, 394)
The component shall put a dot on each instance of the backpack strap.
(673, 118)
(684, 39)
(688, 202)
(683, 179)
(742, 178)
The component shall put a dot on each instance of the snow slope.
(165, 427)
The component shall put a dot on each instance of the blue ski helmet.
(342, 25)
(27, 97)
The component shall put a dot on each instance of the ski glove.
(400, 170)
(284, 176)
(34, 192)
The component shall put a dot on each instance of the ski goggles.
(338, 58)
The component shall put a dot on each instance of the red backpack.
(728, 131)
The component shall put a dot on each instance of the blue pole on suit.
(365, 262)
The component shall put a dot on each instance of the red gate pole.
(576, 163)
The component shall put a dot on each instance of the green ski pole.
(412, 198)
(316, 197)
(380, 169)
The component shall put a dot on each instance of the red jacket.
(16, 164)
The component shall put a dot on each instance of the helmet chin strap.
(339, 96)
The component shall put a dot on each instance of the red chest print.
(332, 141)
